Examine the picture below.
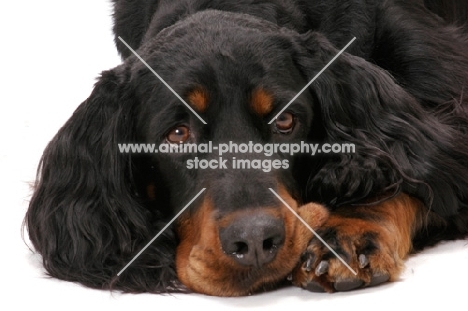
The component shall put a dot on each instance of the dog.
(398, 94)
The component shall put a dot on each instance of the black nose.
(253, 240)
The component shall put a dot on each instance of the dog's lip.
(247, 278)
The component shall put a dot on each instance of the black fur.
(399, 94)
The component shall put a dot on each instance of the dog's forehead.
(229, 62)
(219, 36)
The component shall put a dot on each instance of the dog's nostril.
(253, 240)
(241, 248)
(268, 244)
(272, 244)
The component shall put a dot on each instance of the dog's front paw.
(373, 245)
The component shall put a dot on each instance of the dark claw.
(322, 268)
(347, 285)
(363, 261)
(378, 279)
(315, 287)
(308, 265)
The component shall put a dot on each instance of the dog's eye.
(178, 135)
(285, 123)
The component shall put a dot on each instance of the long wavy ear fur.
(399, 144)
(85, 217)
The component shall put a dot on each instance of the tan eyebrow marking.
(198, 98)
(261, 101)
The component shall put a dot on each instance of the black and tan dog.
(399, 94)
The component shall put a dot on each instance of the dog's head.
(95, 206)
(236, 73)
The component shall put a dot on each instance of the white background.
(51, 52)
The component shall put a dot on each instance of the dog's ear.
(399, 145)
(85, 216)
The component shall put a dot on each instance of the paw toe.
(347, 285)
(314, 287)
(378, 279)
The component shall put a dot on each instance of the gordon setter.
(399, 94)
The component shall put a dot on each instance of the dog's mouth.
(244, 252)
